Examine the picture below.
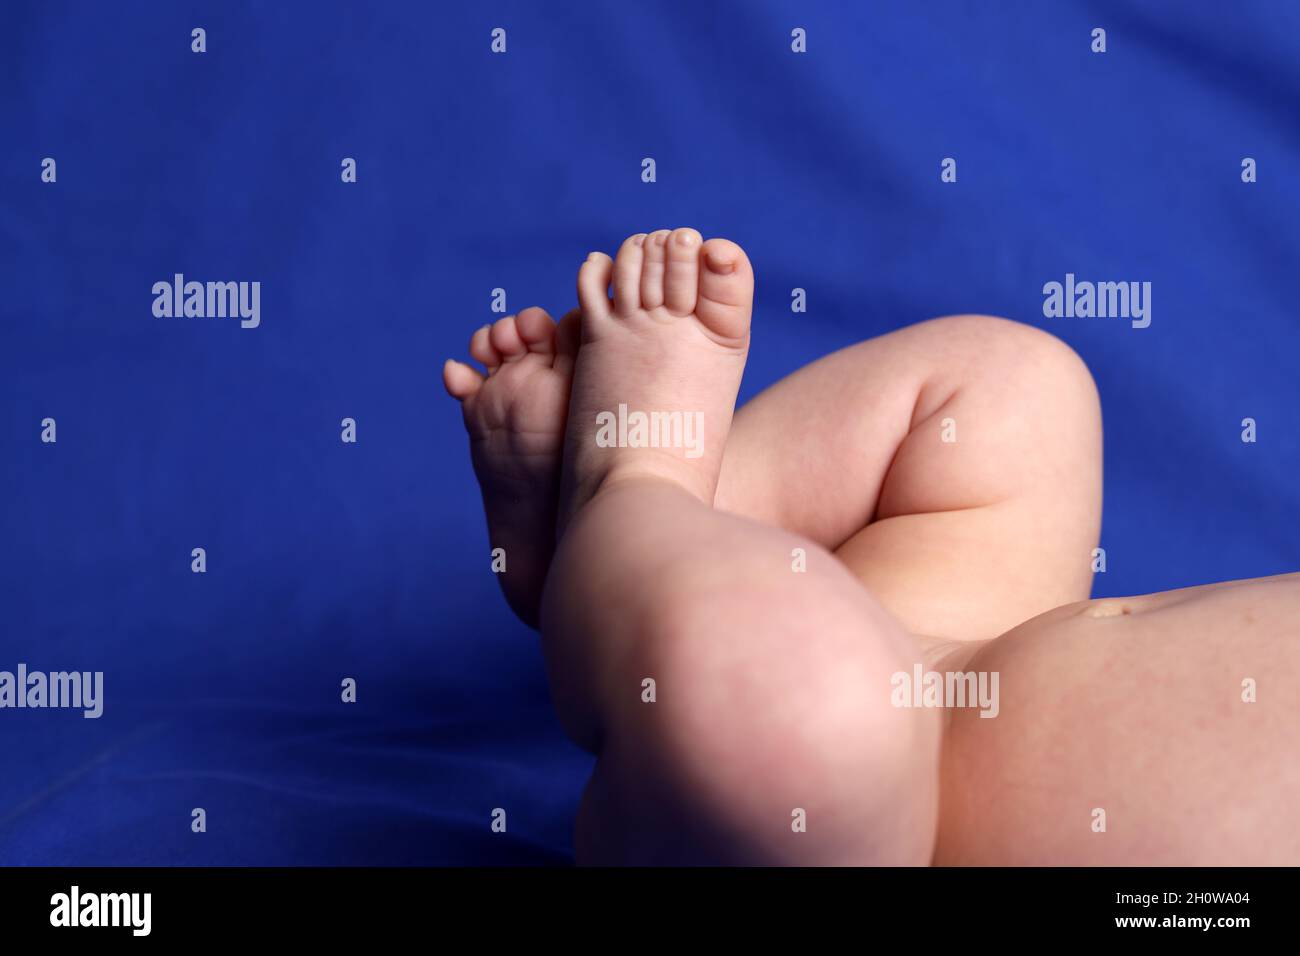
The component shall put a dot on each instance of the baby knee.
(1015, 351)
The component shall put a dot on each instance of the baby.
(757, 629)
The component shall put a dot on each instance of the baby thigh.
(953, 466)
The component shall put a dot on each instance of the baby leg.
(740, 708)
(953, 465)
(733, 679)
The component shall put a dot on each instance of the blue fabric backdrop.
(476, 171)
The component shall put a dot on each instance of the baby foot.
(515, 419)
(659, 366)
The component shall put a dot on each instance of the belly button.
(1107, 609)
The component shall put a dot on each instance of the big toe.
(726, 291)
